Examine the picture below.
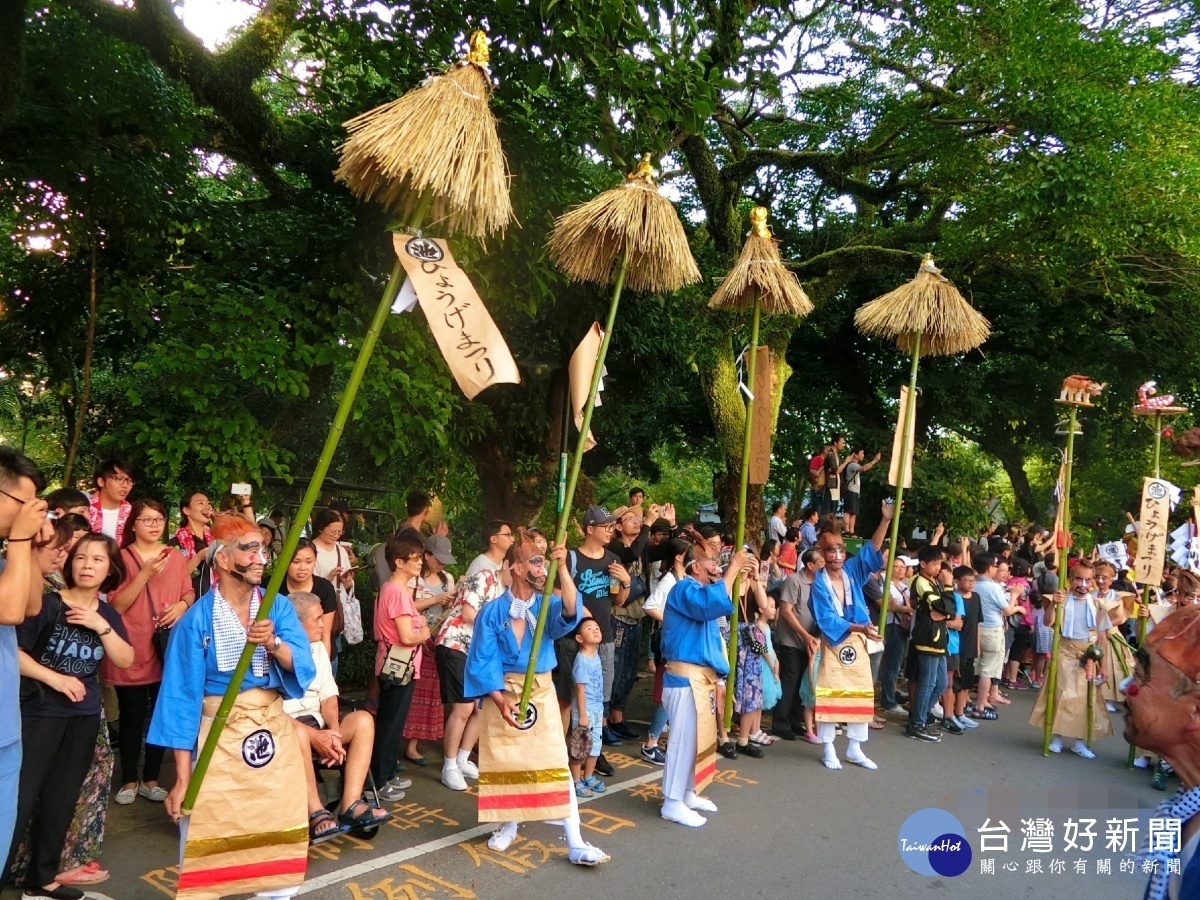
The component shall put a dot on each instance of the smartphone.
(240, 488)
(764, 570)
(165, 553)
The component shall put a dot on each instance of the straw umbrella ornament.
(629, 235)
(433, 151)
(759, 282)
(924, 317)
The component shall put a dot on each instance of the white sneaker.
(453, 779)
(936, 711)
(966, 722)
(469, 770)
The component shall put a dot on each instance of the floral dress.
(748, 693)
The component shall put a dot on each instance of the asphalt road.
(786, 827)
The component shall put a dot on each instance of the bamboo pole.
(1064, 579)
(560, 532)
(306, 507)
(743, 490)
(1144, 621)
(910, 410)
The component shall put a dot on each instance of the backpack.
(817, 476)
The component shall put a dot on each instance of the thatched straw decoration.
(588, 241)
(759, 274)
(439, 138)
(928, 304)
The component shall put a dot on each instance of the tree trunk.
(727, 406)
(519, 498)
(1014, 466)
(81, 408)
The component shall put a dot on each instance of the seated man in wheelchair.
(346, 743)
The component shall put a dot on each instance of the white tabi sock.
(677, 811)
(692, 800)
(830, 759)
(855, 755)
(503, 837)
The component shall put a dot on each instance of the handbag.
(161, 633)
(397, 668)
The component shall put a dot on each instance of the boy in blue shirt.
(588, 708)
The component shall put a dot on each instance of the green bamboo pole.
(743, 491)
(1144, 621)
(905, 450)
(306, 507)
(560, 532)
(1064, 581)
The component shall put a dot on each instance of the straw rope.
(587, 241)
(439, 138)
(931, 306)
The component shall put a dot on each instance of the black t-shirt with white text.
(592, 581)
(68, 649)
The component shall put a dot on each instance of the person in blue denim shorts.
(588, 709)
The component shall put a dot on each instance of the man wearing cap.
(695, 658)
(603, 584)
(630, 541)
(1163, 699)
(843, 690)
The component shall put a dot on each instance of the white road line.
(364, 868)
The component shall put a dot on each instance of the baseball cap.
(909, 561)
(439, 546)
(597, 515)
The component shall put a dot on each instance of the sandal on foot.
(86, 874)
(587, 855)
(369, 817)
(322, 827)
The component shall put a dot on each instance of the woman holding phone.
(60, 649)
(155, 592)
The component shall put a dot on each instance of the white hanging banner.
(471, 344)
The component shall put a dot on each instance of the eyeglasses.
(18, 499)
(504, 534)
(119, 479)
(151, 520)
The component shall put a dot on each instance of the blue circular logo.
(933, 842)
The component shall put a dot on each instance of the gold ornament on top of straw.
(439, 140)
(435, 151)
(758, 282)
(759, 275)
(931, 306)
(628, 235)
(589, 241)
(925, 317)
